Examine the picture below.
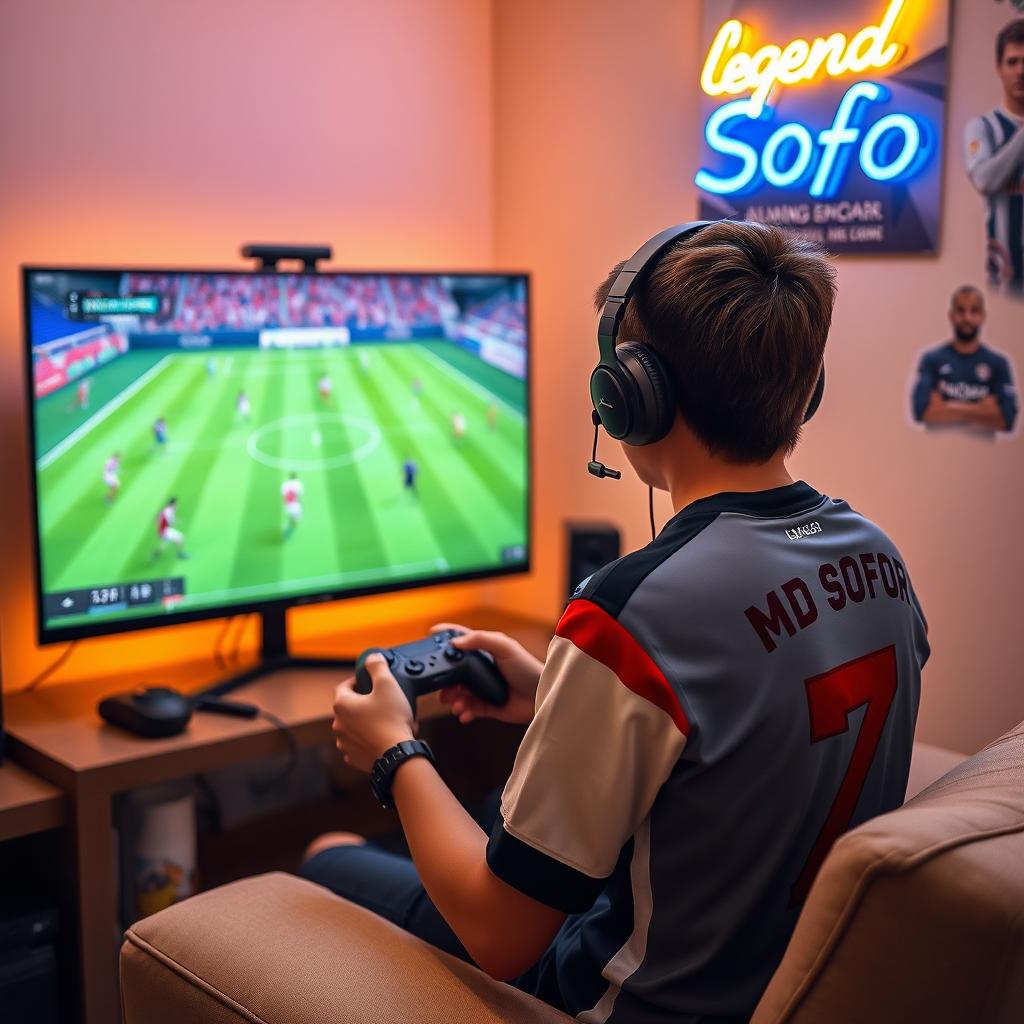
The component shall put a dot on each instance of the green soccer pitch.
(360, 526)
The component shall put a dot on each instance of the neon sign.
(798, 61)
(892, 149)
(752, 148)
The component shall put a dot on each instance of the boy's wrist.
(382, 775)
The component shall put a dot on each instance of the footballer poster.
(826, 119)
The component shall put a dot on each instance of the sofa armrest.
(275, 948)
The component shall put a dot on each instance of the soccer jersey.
(715, 709)
(165, 520)
(994, 144)
(965, 378)
(291, 491)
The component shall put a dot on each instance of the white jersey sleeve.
(991, 166)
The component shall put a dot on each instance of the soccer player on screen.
(492, 416)
(409, 471)
(160, 433)
(166, 532)
(243, 408)
(458, 427)
(994, 144)
(324, 388)
(962, 382)
(111, 469)
(211, 367)
(83, 393)
(291, 493)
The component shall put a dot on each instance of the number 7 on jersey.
(869, 680)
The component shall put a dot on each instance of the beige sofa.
(917, 915)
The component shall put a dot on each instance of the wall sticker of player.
(291, 493)
(994, 145)
(963, 383)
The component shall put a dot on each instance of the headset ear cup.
(655, 408)
(819, 390)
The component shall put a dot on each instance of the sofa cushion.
(918, 914)
(281, 950)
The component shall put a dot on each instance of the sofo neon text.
(892, 149)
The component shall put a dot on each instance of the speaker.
(589, 546)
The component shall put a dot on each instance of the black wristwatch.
(383, 772)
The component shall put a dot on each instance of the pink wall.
(553, 136)
(597, 136)
(172, 132)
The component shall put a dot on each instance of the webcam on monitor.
(270, 253)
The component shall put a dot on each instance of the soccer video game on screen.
(204, 440)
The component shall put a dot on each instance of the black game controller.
(423, 666)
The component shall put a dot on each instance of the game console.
(423, 666)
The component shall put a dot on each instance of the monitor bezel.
(58, 634)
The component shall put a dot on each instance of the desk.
(27, 804)
(57, 733)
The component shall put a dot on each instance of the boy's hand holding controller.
(520, 669)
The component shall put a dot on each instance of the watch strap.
(382, 774)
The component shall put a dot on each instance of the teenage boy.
(715, 708)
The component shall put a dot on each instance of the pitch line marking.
(472, 384)
(371, 443)
(101, 414)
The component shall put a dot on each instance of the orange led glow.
(731, 69)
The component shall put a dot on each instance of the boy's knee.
(328, 841)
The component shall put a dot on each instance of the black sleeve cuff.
(539, 876)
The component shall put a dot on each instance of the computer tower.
(28, 969)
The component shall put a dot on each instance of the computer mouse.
(148, 711)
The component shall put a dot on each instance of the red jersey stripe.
(593, 631)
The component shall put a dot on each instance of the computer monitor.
(208, 442)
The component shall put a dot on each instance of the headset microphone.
(594, 467)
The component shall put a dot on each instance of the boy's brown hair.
(739, 314)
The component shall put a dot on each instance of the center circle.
(316, 430)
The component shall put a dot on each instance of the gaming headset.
(630, 389)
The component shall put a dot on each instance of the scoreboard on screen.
(826, 119)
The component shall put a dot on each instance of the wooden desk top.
(27, 803)
(57, 731)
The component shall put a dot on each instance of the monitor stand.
(273, 657)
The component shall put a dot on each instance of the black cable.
(233, 654)
(260, 787)
(650, 506)
(218, 655)
(47, 672)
